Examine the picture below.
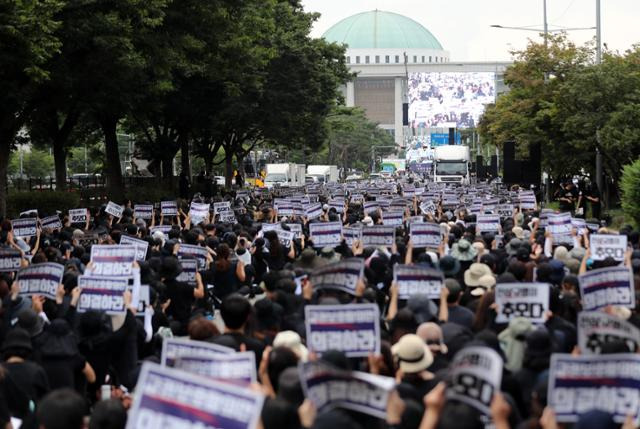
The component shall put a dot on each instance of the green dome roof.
(381, 30)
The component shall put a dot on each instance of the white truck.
(284, 175)
(323, 173)
(451, 164)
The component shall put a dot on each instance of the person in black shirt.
(567, 196)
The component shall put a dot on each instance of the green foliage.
(47, 202)
(35, 163)
(94, 159)
(630, 187)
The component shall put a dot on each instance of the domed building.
(406, 81)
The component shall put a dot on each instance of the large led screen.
(440, 98)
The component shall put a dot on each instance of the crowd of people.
(63, 368)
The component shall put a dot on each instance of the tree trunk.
(228, 169)
(60, 162)
(115, 186)
(167, 168)
(5, 151)
(184, 154)
(240, 178)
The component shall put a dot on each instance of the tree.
(35, 163)
(351, 137)
(27, 38)
(630, 185)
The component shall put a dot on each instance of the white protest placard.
(607, 286)
(313, 211)
(528, 300)
(416, 219)
(140, 245)
(189, 271)
(487, 223)
(609, 383)
(176, 348)
(428, 207)
(338, 204)
(328, 387)
(198, 212)
(560, 227)
(476, 375)
(505, 210)
(227, 217)
(596, 328)
(605, 246)
(352, 328)
(193, 251)
(328, 234)
(51, 222)
(416, 280)
(102, 294)
(162, 228)
(296, 228)
(221, 207)
(25, 227)
(29, 213)
(527, 200)
(144, 300)
(356, 198)
(351, 234)
(544, 217)
(236, 368)
(284, 207)
(78, 215)
(579, 225)
(40, 279)
(170, 398)
(393, 218)
(168, 208)
(114, 209)
(112, 260)
(143, 211)
(9, 260)
(370, 206)
(425, 235)
(380, 235)
(285, 237)
(342, 275)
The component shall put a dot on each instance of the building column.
(351, 94)
(399, 138)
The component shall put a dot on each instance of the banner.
(416, 280)
(102, 294)
(528, 300)
(595, 328)
(607, 286)
(140, 245)
(198, 212)
(352, 328)
(169, 208)
(237, 368)
(78, 215)
(114, 209)
(342, 275)
(487, 223)
(560, 226)
(40, 279)
(193, 251)
(221, 207)
(425, 235)
(351, 234)
(609, 383)
(393, 218)
(328, 387)
(25, 227)
(328, 234)
(476, 375)
(189, 271)
(313, 211)
(378, 235)
(170, 398)
(605, 246)
(176, 348)
(51, 222)
(143, 211)
(112, 260)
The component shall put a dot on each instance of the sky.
(463, 26)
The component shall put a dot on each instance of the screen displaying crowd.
(438, 98)
(374, 304)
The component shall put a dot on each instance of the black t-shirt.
(250, 343)
(181, 296)
(461, 315)
(65, 371)
(30, 377)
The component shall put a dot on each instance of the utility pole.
(599, 180)
(546, 26)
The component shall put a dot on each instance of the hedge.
(630, 187)
(47, 202)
